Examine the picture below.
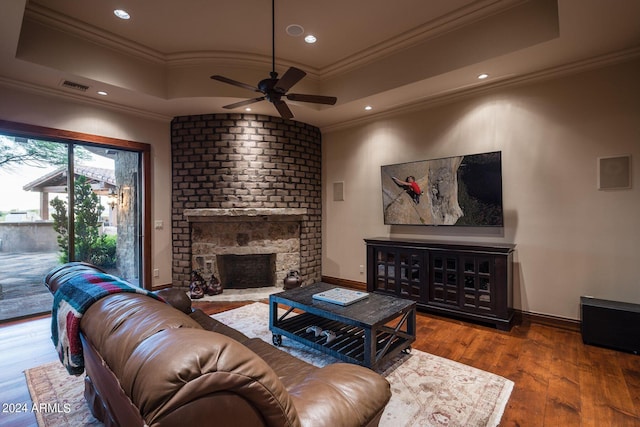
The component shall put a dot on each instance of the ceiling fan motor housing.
(267, 86)
(273, 88)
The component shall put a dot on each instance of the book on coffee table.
(340, 296)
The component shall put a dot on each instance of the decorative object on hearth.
(292, 280)
(274, 89)
(214, 287)
(197, 285)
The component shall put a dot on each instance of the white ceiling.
(369, 52)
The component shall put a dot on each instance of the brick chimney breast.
(242, 184)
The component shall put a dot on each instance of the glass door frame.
(144, 150)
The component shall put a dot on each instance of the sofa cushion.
(118, 323)
(288, 368)
(335, 395)
(200, 364)
(340, 395)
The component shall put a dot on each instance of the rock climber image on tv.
(411, 187)
(461, 190)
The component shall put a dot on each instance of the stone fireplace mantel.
(244, 214)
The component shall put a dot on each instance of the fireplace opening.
(246, 271)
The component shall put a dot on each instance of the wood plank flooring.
(559, 381)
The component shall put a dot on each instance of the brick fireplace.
(238, 182)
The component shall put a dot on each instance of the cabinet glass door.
(444, 269)
(385, 270)
(411, 274)
(478, 286)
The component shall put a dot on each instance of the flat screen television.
(461, 191)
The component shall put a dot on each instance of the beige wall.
(571, 238)
(26, 107)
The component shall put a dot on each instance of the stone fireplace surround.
(251, 231)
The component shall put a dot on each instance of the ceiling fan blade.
(292, 76)
(317, 99)
(243, 103)
(283, 109)
(235, 83)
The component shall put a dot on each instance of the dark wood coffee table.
(367, 332)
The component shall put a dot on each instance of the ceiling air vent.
(73, 85)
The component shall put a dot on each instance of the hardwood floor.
(23, 344)
(559, 381)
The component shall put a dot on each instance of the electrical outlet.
(156, 272)
(361, 269)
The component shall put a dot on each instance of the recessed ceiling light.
(483, 76)
(368, 107)
(310, 39)
(247, 109)
(102, 92)
(295, 30)
(121, 13)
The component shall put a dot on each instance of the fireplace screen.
(246, 271)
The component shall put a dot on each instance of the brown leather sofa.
(156, 364)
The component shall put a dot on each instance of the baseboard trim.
(521, 316)
(547, 320)
(361, 286)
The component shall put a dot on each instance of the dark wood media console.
(469, 280)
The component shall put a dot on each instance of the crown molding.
(466, 92)
(233, 60)
(61, 94)
(73, 27)
(466, 15)
(470, 14)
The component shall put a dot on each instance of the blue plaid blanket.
(70, 302)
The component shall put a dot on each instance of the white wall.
(571, 239)
(35, 109)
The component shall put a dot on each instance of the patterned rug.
(58, 398)
(427, 390)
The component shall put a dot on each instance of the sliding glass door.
(105, 209)
(68, 200)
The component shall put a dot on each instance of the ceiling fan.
(273, 89)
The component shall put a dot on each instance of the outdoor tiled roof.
(58, 177)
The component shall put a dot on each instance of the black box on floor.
(610, 324)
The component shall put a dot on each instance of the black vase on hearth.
(292, 280)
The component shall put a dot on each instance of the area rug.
(58, 398)
(427, 390)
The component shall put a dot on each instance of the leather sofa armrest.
(340, 394)
(176, 298)
(210, 324)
